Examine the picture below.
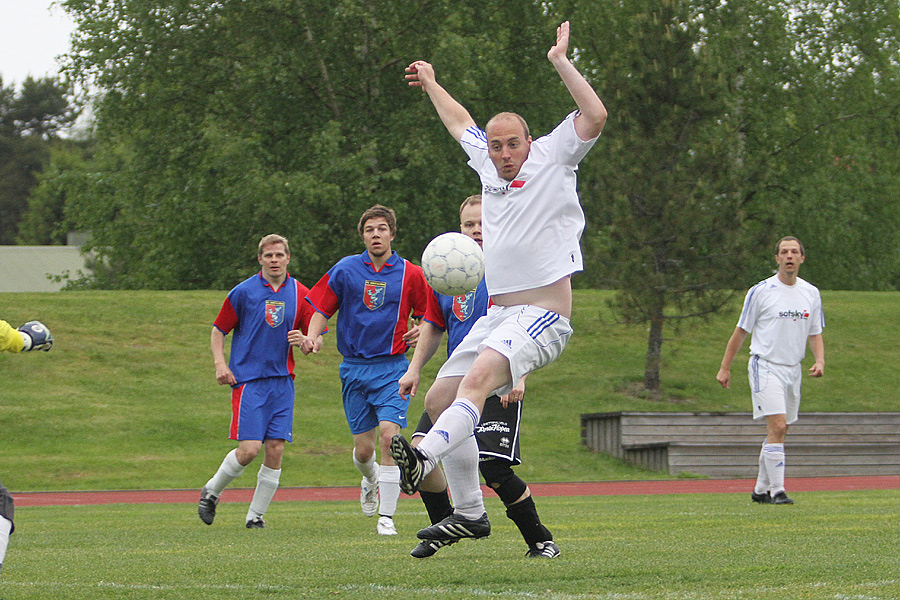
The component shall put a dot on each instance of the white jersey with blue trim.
(781, 318)
(532, 225)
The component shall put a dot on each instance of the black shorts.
(7, 509)
(497, 432)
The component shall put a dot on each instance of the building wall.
(27, 268)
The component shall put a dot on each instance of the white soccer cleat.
(386, 526)
(368, 495)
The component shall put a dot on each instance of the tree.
(224, 121)
(720, 113)
(30, 122)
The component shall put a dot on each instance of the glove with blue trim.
(36, 336)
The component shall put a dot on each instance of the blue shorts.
(263, 409)
(371, 392)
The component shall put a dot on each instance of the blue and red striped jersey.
(374, 307)
(260, 319)
(457, 314)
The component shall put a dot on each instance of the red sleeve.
(322, 298)
(420, 290)
(434, 314)
(227, 319)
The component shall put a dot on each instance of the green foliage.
(666, 547)
(31, 119)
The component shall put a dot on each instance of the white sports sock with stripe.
(266, 485)
(453, 427)
(773, 454)
(229, 470)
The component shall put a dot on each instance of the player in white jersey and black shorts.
(532, 224)
(783, 313)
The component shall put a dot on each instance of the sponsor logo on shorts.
(374, 293)
(274, 313)
(493, 427)
(508, 343)
(504, 442)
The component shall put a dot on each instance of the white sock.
(266, 485)
(369, 469)
(5, 527)
(773, 454)
(229, 470)
(762, 479)
(454, 427)
(461, 469)
(388, 490)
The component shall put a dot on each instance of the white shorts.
(528, 336)
(775, 388)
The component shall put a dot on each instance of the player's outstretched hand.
(419, 74)
(36, 336)
(560, 49)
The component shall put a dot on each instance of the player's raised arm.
(453, 114)
(589, 123)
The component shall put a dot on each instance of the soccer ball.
(453, 264)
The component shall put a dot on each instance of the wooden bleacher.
(727, 444)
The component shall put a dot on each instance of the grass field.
(127, 398)
(829, 546)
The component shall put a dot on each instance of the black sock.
(524, 515)
(437, 504)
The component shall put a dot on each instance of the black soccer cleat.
(411, 463)
(456, 527)
(207, 507)
(781, 498)
(428, 548)
(543, 550)
(764, 498)
(256, 523)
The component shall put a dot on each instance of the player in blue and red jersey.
(375, 294)
(260, 311)
(497, 432)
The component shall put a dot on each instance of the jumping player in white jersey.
(782, 312)
(532, 223)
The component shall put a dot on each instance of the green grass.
(127, 397)
(830, 545)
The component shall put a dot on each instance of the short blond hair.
(470, 201)
(273, 238)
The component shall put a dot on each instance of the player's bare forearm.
(817, 344)
(731, 349)
(453, 115)
(589, 123)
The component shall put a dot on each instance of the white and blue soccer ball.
(453, 264)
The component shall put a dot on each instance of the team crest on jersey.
(374, 293)
(464, 306)
(274, 313)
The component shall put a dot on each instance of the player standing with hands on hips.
(532, 224)
(260, 311)
(782, 312)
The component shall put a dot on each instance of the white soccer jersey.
(781, 318)
(531, 226)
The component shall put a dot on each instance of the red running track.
(601, 488)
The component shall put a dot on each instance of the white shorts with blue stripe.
(528, 336)
(775, 388)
